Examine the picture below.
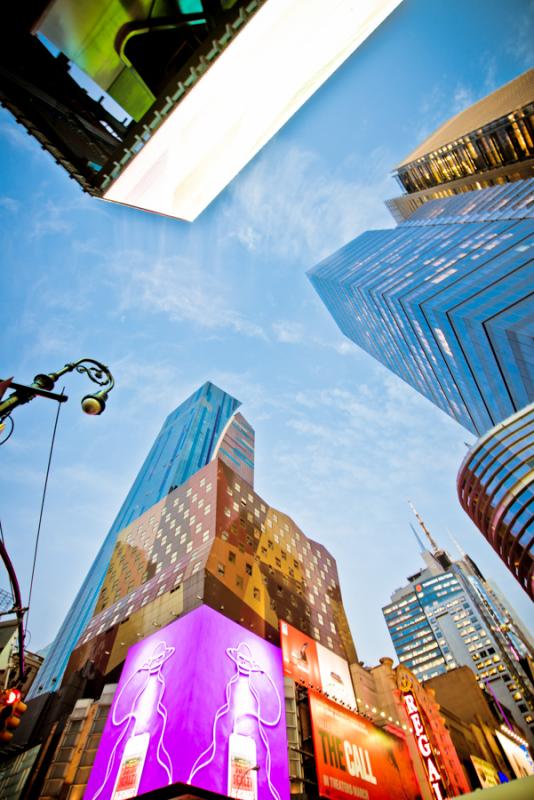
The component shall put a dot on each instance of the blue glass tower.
(188, 440)
(447, 615)
(445, 300)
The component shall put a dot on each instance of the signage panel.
(424, 745)
(355, 759)
(487, 774)
(200, 702)
(308, 662)
(518, 756)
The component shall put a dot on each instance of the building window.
(248, 569)
(231, 557)
(256, 593)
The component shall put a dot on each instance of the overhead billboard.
(355, 759)
(284, 53)
(199, 702)
(308, 662)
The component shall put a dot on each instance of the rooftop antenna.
(423, 526)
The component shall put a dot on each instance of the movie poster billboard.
(356, 759)
(200, 702)
(308, 662)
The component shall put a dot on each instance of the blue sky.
(341, 444)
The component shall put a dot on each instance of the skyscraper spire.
(428, 535)
(456, 544)
(419, 540)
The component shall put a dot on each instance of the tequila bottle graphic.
(242, 769)
(139, 701)
(131, 767)
(243, 702)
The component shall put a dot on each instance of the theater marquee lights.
(425, 747)
(282, 55)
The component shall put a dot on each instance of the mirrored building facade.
(444, 300)
(496, 489)
(187, 441)
(213, 541)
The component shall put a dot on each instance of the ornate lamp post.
(44, 383)
(41, 387)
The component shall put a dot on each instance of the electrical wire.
(12, 421)
(43, 498)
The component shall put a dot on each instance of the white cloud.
(179, 289)
(289, 332)
(289, 204)
(9, 204)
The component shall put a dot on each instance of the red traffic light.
(11, 710)
(12, 696)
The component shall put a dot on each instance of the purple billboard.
(200, 702)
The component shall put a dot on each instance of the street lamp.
(42, 385)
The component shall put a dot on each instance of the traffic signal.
(11, 710)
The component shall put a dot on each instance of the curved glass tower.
(496, 489)
(187, 441)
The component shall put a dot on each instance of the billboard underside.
(280, 58)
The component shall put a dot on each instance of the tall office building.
(496, 489)
(444, 301)
(489, 143)
(212, 540)
(447, 616)
(186, 442)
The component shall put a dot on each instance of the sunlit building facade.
(444, 301)
(187, 441)
(496, 489)
(448, 616)
(213, 540)
(489, 143)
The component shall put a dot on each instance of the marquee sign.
(424, 746)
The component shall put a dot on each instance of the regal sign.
(425, 748)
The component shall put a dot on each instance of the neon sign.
(424, 746)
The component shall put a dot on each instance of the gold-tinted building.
(490, 142)
(214, 540)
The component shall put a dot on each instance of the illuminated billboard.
(284, 53)
(199, 702)
(308, 662)
(518, 756)
(354, 758)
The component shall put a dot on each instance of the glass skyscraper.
(496, 489)
(186, 443)
(447, 616)
(444, 300)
